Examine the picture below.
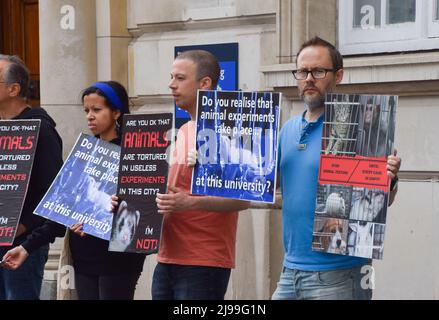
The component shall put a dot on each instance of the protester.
(309, 274)
(99, 273)
(25, 282)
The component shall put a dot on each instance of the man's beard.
(313, 102)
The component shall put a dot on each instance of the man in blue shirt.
(309, 274)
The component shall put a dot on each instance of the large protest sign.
(353, 187)
(18, 143)
(236, 141)
(81, 192)
(143, 173)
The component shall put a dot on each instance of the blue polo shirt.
(299, 157)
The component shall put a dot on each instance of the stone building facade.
(132, 41)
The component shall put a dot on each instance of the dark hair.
(121, 93)
(207, 64)
(16, 72)
(336, 57)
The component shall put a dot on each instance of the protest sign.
(18, 143)
(143, 173)
(81, 192)
(353, 186)
(236, 141)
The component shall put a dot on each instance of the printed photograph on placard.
(353, 184)
(376, 126)
(340, 130)
(334, 201)
(330, 235)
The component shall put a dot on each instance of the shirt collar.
(318, 121)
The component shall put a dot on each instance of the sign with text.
(143, 173)
(355, 171)
(353, 185)
(18, 143)
(236, 142)
(81, 192)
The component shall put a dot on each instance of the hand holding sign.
(393, 165)
(174, 201)
(192, 158)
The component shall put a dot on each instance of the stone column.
(322, 20)
(291, 28)
(113, 39)
(68, 62)
(299, 20)
(67, 66)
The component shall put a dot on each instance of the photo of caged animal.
(341, 122)
(360, 239)
(125, 225)
(333, 201)
(335, 205)
(369, 205)
(331, 236)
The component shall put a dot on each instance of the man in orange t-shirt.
(197, 249)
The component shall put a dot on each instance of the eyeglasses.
(317, 73)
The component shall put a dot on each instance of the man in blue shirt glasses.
(308, 274)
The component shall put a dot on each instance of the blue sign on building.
(227, 55)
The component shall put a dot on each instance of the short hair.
(121, 93)
(16, 72)
(207, 64)
(336, 57)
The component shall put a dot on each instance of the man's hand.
(393, 165)
(14, 258)
(192, 157)
(78, 229)
(174, 201)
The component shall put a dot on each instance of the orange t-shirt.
(200, 238)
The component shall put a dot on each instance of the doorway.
(19, 35)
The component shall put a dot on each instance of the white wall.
(410, 268)
(152, 11)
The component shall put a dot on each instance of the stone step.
(51, 265)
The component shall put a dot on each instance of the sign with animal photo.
(353, 186)
(143, 173)
(18, 143)
(81, 192)
(236, 141)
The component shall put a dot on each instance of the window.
(367, 14)
(433, 26)
(372, 26)
(400, 11)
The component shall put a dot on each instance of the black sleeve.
(43, 235)
(48, 161)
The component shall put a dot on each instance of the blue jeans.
(177, 282)
(25, 282)
(341, 284)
